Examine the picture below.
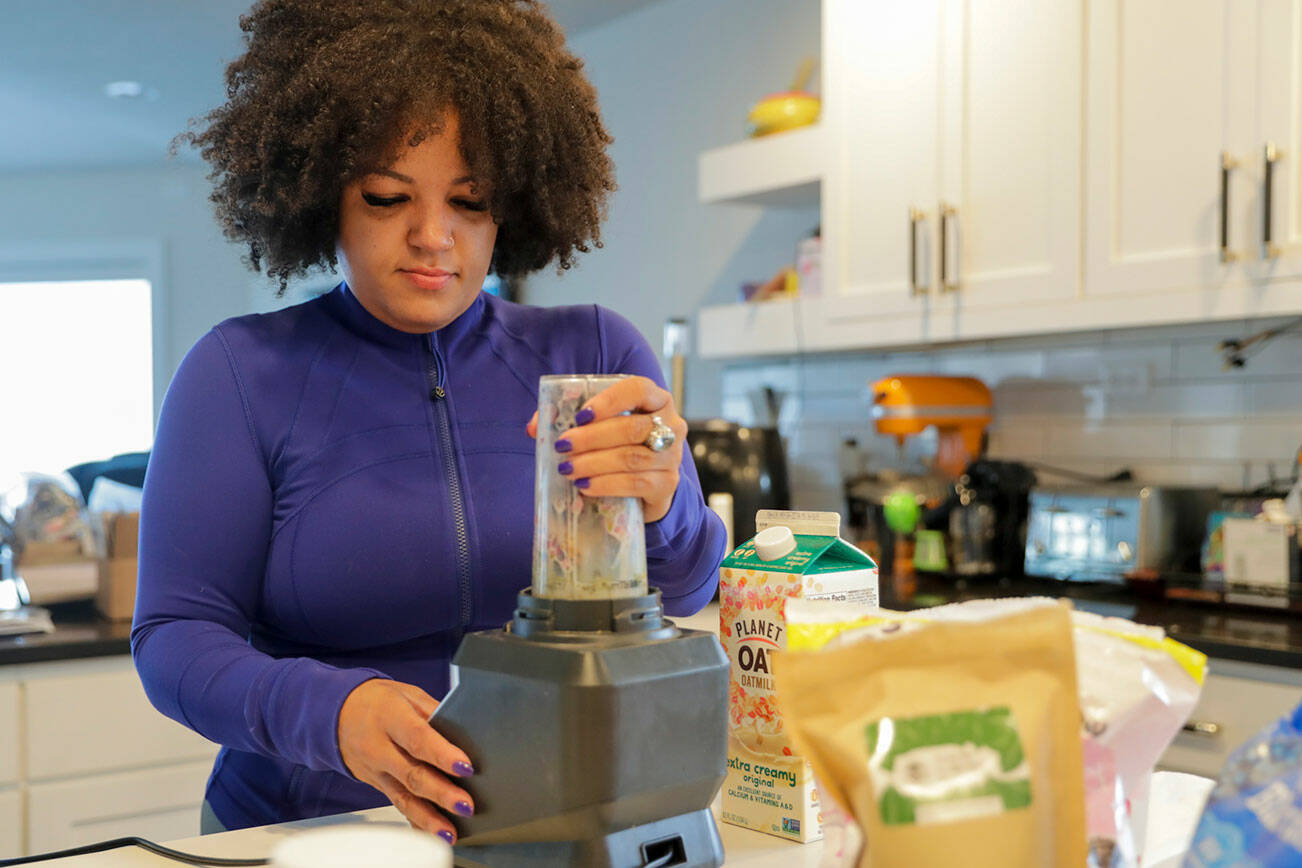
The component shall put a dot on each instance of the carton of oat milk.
(794, 554)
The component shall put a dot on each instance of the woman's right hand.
(386, 741)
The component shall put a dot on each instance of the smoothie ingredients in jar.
(584, 548)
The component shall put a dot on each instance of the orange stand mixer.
(960, 407)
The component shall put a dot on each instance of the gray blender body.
(598, 732)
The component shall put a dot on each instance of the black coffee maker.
(986, 521)
(983, 514)
(747, 462)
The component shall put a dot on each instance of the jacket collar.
(344, 306)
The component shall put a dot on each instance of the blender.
(597, 728)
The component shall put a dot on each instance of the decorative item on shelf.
(784, 284)
(788, 109)
(809, 265)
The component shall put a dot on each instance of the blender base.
(690, 840)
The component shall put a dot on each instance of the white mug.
(362, 845)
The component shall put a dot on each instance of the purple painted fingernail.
(565, 468)
(563, 445)
(462, 770)
(446, 835)
(582, 483)
(464, 809)
(584, 416)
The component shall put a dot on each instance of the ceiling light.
(124, 89)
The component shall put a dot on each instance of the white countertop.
(742, 847)
(1176, 802)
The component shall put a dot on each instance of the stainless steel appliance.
(1104, 532)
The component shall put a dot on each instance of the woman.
(338, 491)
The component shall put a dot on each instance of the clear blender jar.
(584, 548)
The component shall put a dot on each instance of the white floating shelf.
(780, 170)
(765, 328)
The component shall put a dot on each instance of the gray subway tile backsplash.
(1158, 401)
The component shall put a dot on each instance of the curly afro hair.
(327, 89)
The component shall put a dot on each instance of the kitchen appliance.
(597, 728)
(988, 518)
(746, 462)
(960, 408)
(1262, 558)
(1104, 532)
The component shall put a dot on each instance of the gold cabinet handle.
(1228, 163)
(1269, 249)
(1202, 727)
(946, 285)
(915, 217)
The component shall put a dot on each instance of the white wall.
(674, 79)
(200, 277)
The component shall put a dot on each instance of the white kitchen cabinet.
(952, 181)
(72, 718)
(11, 824)
(881, 85)
(1166, 83)
(10, 747)
(1279, 124)
(94, 759)
(1183, 101)
(1076, 150)
(159, 804)
(1240, 699)
(1010, 148)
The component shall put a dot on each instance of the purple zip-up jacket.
(316, 514)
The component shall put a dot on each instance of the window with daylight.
(78, 370)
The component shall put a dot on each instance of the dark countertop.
(79, 632)
(1248, 635)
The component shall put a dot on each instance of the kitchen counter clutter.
(1262, 637)
(79, 632)
(1247, 636)
(1176, 803)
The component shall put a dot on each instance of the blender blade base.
(690, 840)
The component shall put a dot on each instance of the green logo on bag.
(941, 768)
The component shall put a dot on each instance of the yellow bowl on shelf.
(783, 111)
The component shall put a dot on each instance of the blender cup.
(584, 548)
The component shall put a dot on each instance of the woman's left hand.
(607, 455)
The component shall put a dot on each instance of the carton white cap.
(774, 542)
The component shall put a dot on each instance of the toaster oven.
(1102, 532)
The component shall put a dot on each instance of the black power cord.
(158, 849)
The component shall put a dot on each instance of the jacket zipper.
(435, 374)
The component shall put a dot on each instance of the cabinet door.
(72, 718)
(880, 104)
(1168, 87)
(9, 744)
(11, 824)
(160, 804)
(1279, 123)
(1010, 142)
(1239, 707)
